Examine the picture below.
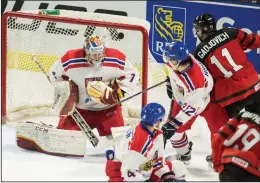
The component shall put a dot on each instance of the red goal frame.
(71, 21)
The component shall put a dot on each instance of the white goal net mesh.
(28, 92)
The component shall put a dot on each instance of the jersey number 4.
(225, 53)
(253, 133)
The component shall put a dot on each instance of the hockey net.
(27, 92)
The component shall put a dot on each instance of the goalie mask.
(94, 50)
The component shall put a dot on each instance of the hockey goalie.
(88, 80)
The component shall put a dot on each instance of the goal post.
(49, 36)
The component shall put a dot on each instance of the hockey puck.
(120, 35)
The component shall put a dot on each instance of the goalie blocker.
(65, 97)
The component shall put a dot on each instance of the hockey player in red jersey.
(102, 76)
(138, 154)
(236, 148)
(237, 83)
(189, 85)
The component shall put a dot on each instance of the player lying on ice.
(138, 154)
(236, 148)
(89, 79)
(189, 86)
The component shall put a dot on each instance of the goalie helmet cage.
(27, 33)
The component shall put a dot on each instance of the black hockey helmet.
(206, 23)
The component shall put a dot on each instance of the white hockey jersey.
(75, 66)
(191, 89)
(140, 152)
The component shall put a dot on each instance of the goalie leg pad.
(42, 138)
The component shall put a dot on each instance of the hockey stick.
(75, 114)
(165, 134)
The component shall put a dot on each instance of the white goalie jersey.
(114, 66)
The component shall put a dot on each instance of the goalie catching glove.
(65, 97)
(102, 93)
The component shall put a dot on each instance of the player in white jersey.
(92, 78)
(189, 85)
(138, 154)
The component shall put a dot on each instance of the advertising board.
(172, 20)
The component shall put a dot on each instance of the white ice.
(22, 165)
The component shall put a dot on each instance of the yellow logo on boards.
(168, 26)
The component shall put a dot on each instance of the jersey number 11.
(225, 53)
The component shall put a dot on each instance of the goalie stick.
(75, 114)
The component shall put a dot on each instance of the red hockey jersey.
(238, 142)
(224, 56)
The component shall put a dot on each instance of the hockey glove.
(101, 93)
(170, 127)
(168, 177)
(110, 97)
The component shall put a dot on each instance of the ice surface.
(22, 165)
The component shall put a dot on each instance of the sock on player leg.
(179, 142)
